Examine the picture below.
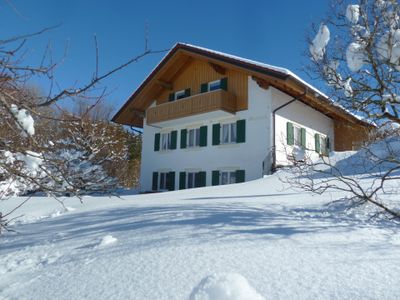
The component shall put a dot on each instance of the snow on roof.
(283, 71)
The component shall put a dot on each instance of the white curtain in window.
(191, 138)
(232, 177)
(233, 133)
(224, 178)
(225, 133)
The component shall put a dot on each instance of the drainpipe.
(273, 166)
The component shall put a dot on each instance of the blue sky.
(268, 31)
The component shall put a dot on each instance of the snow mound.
(225, 286)
(107, 241)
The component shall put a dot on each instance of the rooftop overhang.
(181, 55)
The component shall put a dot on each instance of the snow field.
(280, 243)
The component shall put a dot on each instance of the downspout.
(273, 166)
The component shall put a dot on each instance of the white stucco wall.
(299, 114)
(248, 156)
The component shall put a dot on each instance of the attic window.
(180, 94)
(214, 85)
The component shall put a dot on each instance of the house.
(210, 118)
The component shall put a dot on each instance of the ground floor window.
(321, 144)
(189, 180)
(163, 181)
(162, 184)
(222, 177)
(227, 177)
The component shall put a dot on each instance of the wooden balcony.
(218, 100)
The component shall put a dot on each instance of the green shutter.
(240, 176)
(155, 181)
(187, 92)
(203, 136)
(204, 88)
(303, 138)
(157, 142)
(224, 84)
(183, 138)
(216, 129)
(174, 138)
(182, 180)
(215, 178)
(328, 144)
(200, 179)
(171, 181)
(171, 97)
(241, 131)
(317, 143)
(289, 133)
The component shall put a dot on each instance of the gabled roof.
(283, 79)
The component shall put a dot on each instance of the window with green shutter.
(203, 136)
(182, 180)
(240, 176)
(157, 142)
(187, 92)
(241, 131)
(224, 84)
(317, 143)
(215, 177)
(303, 138)
(216, 128)
(170, 184)
(174, 139)
(155, 181)
(183, 138)
(290, 133)
(200, 179)
(204, 87)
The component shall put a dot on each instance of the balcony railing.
(193, 105)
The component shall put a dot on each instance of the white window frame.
(181, 93)
(165, 141)
(229, 175)
(297, 139)
(191, 179)
(231, 136)
(209, 85)
(323, 144)
(162, 178)
(194, 140)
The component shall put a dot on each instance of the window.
(166, 141)
(191, 180)
(180, 94)
(227, 177)
(220, 84)
(228, 133)
(162, 184)
(321, 144)
(214, 85)
(297, 136)
(188, 180)
(193, 137)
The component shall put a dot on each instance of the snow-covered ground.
(257, 239)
